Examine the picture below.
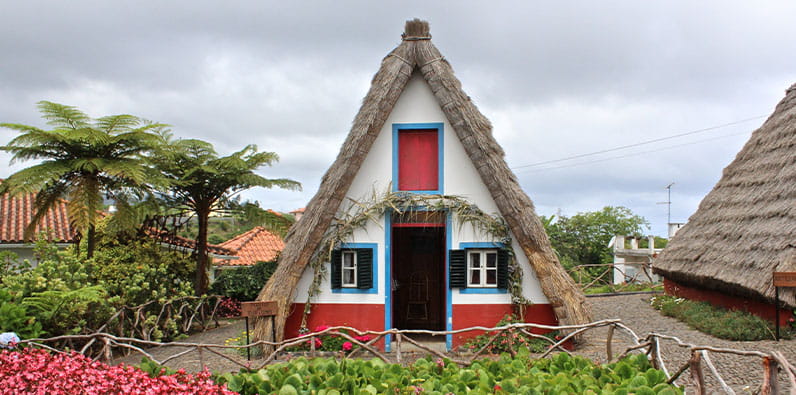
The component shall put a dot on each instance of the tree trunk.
(91, 241)
(201, 282)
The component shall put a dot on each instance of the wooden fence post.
(770, 384)
(696, 372)
(608, 340)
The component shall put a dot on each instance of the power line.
(638, 144)
(632, 154)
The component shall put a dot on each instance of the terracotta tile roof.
(17, 212)
(298, 211)
(185, 242)
(253, 246)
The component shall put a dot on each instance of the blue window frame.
(374, 247)
(482, 246)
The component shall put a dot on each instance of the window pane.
(491, 277)
(475, 259)
(475, 277)
(349, 259)
(491, 259)
(349, 277)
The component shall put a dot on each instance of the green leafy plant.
(69, 312)
(512, 338)
(715, 321)
(14, 317)
(560, 374)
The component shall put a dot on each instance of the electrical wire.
(638, 144)
(632, 154)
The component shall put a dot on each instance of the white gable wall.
(417, 104)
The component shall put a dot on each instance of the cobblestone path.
(743, 374)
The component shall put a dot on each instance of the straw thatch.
(417, 53)
(745, 228)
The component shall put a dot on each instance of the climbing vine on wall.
(404, 206)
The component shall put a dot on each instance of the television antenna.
(668, 202)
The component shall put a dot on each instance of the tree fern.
(84, 160)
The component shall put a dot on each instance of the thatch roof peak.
(416, 29)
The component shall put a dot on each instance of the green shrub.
(69, 294)
(243, 283)
(79, 310)
(14, 317)
(560, 374)
(616, 288)
(513, 337)
(715, 321)
(140, 271)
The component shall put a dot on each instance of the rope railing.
(650, 345)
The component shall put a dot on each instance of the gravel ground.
(743, 374)
(192, 361)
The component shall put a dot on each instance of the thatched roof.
(417, 53)
(745, 228)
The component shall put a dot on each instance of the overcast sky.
(557, 79)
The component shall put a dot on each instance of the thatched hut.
(745, 228)
(452, 242)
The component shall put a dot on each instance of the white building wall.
(417, 104)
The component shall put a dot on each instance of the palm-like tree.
(83, 160)
(202, 181)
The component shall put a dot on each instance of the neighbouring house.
(172, 241)
(298, 213)
(745, 228)
(419, 142)
(255, 245)
(631, 263)
(16, 213)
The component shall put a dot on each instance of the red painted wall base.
(469, 315)
(371, 317)
(759, 308)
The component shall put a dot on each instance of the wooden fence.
(699, 362)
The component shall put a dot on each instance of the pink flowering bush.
(229, 307)
(38, 371)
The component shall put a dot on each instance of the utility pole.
(669, 204)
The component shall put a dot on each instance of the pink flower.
(440, 363)
(317, 341)
(321, 328)
(347, 346)
(363, 338)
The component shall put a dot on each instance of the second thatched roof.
(745, 228)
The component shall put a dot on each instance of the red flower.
(347, 346)
(38, 371)
(321, 328)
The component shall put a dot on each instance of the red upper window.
(418, 161)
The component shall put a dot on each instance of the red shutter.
(418, 160)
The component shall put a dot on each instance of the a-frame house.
(419, 137)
